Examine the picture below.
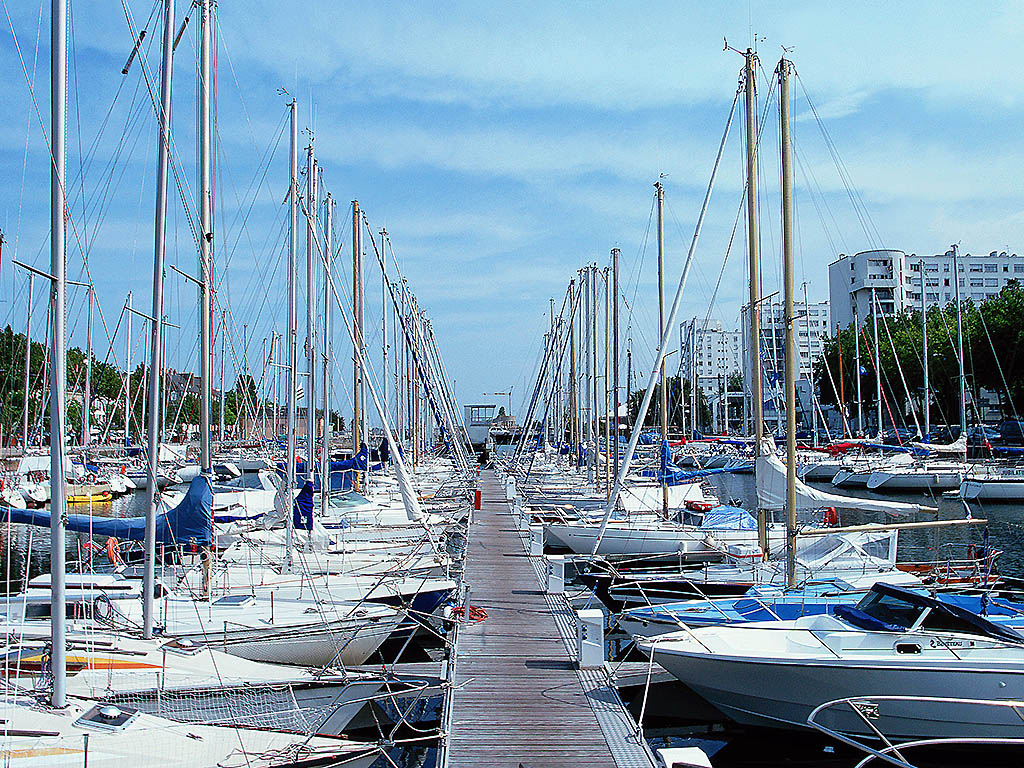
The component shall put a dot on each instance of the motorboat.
(894, 642)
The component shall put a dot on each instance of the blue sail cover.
(189, 522)
(302, 511)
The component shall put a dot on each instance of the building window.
(1018, 268)
(991, 282)
(991, 267)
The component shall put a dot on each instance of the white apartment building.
(811, 329)
(710, 355)
(895, 277)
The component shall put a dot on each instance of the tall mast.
(157, 323)
(87, 396)
(604, 407)
(587, 373)
(753, 246)
(856, 365)
(357, 340)
(311, 209)
(325, 464)
(58, 378)
(596, 432)
(878, 365)
(756, 399)
(572, 377)
(788, 318)
(615, 349)
(384, 316)
(223, 362)
(663, 401)
(128, 371)
(292, 340)
(28, 362)
(924, 344)
(960, 343)
(205, 246)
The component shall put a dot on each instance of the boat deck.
(519, 698)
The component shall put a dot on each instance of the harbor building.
(895, 278)
(811, 329)
(710, 356)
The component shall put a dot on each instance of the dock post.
(555, 568)
(590, 638)
(510, 488)
(536, 539)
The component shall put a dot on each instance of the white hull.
(785, 693)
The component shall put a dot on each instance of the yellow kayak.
(89, 498)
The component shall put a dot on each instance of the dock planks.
(518, 698)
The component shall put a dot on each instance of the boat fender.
(831, 516)
(114, 552)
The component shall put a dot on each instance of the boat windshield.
(890, 609)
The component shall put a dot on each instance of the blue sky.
(505, 145)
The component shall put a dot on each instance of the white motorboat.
(895, 642)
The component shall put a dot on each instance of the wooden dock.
(518, 698)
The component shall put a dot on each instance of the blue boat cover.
(302, 511)
(731, 518)
(189, 522)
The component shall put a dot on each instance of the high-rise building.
(810, 330)
(895, 279)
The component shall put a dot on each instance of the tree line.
(993, 343)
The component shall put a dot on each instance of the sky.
(504, 146)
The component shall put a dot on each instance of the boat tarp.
(730, 518)
(189, 522)
(770, 474)
(302, 510)
(957, 448)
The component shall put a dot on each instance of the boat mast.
(787, 271)
(293, 235)
(595, 430)
(325, 461)
(128, 370)
(384, 316)
(357, 337)
(205, 246)
(878, 365)
(58, 378)
(223, 362)
(856, 364)
(663, 400)
(157, 323)
(924, 345)
(573, 422)
(756, 401)
(28, 361)
(311, 209)
(960, 343)
(87, 396)
(615, 349)
(607, 423)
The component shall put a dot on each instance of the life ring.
(89, 478)
(114, 552)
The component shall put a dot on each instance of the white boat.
(895, 642)
(193, 683)
(1002, 484)
(931, 476)
(87, 733)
